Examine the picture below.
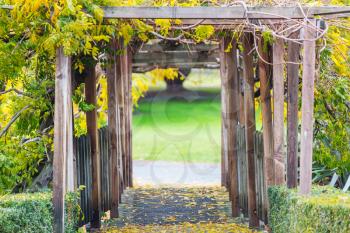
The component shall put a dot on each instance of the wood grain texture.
(130, 110)
(113, 124)
(233, 12)
(307, 108)
(122, 98)
(266, 110)
(292, 113)
(249, 109)
(229, 91)
(91, 122)
(225, 181)
(265, 78)
(278, 101)
(62, 128)
(120, 79)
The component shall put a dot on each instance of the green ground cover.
(180, 130)
(177, 130)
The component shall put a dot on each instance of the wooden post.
(113, 124)
(125, 73)
(62, 128)
(121, 88)
(92, 132)
(307, 107)
(71, 164)
(265, 96)
(249, 113)
(292, 113)
(224, 152)
(120, 83)
(278, 111)
(241, 88)
(130, 108)
(229, 90)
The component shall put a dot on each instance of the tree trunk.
(176, 84)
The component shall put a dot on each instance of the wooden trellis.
(237, 109)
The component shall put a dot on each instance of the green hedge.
(33, 212)
(326, 210)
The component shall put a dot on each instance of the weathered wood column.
(71, 177)
(265, 96)
(292, 112)
(278, 111)
(225, 180)
(121, 112)
(113, 124)
(265, 76)
(241, 118)
(229, 91)
(130, 108)
(307, 107)
(249, 113)
(122, 93)
(125, 74)
(62, 130)
(92, 133)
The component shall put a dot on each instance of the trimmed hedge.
(326, 210)
(33, 212)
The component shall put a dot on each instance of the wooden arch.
(236, 109)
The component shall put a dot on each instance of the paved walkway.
(175, 209)
(176, 173)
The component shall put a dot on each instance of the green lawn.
(177, 130)
(180, 130)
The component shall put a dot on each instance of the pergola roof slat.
(234, 12)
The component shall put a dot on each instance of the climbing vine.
(30, 32)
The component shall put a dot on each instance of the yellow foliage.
(161, 74)
(164, 24)
(184, 227)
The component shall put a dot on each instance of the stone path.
(175, 209)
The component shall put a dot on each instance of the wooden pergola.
(238, 108)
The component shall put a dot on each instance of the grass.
(177, 130)
(180, 130)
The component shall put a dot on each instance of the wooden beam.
(233, 12)
(249, 113)
(229, 92)
(224, 12)
(164, 58)
(145, 67)
(307, 108)
(92, 133)
(180, 48)
(292, 112)
(112, 74)
(278, 120)
(62, 127)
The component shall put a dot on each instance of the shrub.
(33, 212)
(326, 210)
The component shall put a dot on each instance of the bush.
(33, 212)
(326, 210)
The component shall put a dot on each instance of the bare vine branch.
(16, 91)
(13, 119)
